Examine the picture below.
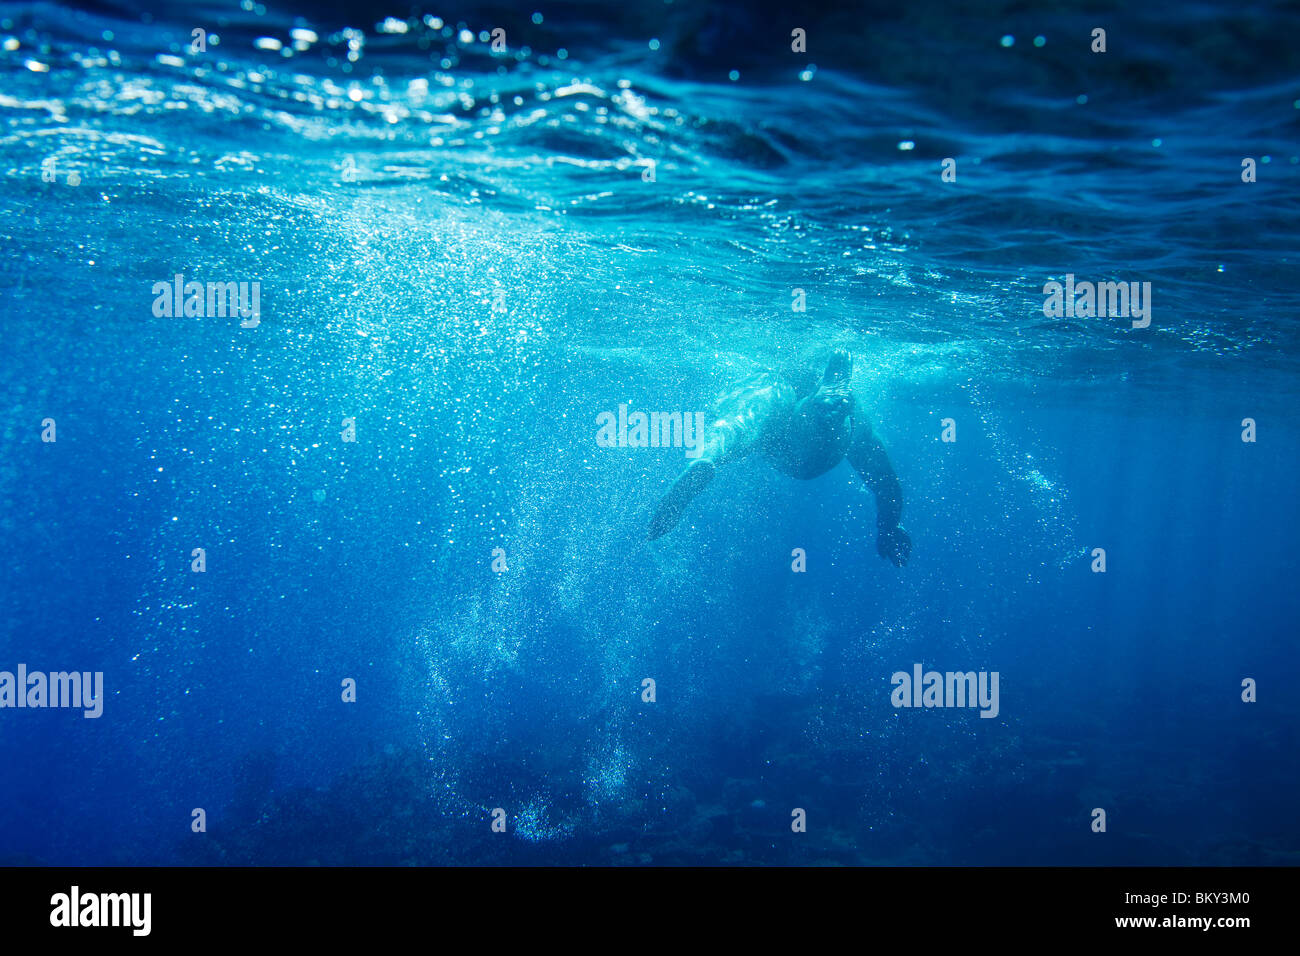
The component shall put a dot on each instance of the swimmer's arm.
(722, 442)
(867, 455)
(691, 482)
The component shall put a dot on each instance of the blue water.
(472, 254)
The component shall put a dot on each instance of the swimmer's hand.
(666, 517)
(894, 545)
(691, 482)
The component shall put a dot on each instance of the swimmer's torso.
(802, 438)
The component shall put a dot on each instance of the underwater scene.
(656, 433)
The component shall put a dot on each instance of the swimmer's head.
(835, 395)
(830, 401)
(839, 370)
